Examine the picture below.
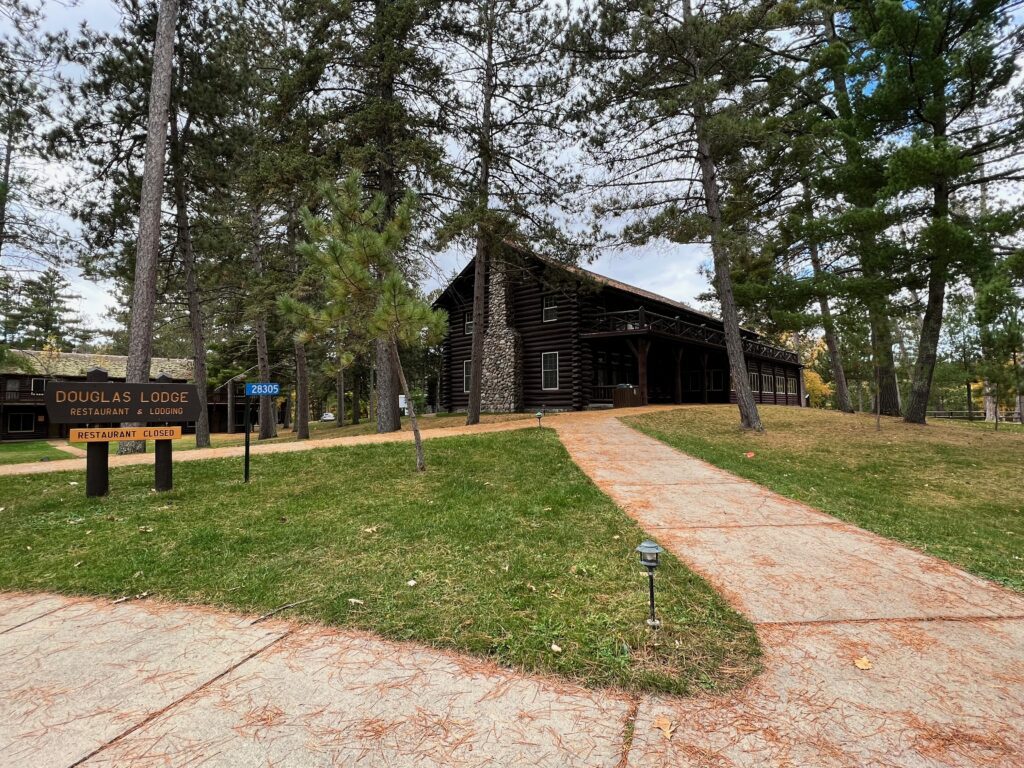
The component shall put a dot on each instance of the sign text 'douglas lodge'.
(87, 402)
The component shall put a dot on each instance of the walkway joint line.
(154, 715)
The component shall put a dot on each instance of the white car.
(327, 417)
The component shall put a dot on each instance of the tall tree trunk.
(355, 398)
(5, 187)
(842, 392)
(931, 326)
(421, 463)
(268, 419)
(147, 248)
(749, 416)
(301, 392)
(389, 418)
(483, 238)
(195, 305)
(887, 389)
(339, 389)
(989, 400)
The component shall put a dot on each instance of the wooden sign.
(117, 434)
(98, 402)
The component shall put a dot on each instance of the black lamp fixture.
(649, 558)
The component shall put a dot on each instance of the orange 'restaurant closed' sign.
(115, 434)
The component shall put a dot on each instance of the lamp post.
(649, 555)
(540, 415)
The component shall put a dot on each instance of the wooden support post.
(704, 377)
(679, 376)
(97, 455)
(163, 467)
(231, 406)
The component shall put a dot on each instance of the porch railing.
(643, 320)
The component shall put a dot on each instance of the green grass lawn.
(511, 548)
(22, 451)
(326, 430)
(949, 489)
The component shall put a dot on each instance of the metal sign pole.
(248, 430)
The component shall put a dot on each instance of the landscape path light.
(540, 415)
(649, 558)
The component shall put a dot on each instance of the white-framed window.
(549, 370)
(467, 324)
(754, 380)
(467, 372)
(550, 311)
(38, 386)
(694, 381)
(767, 384)
(21, 422)
(780, 384)
(715, 378)
(791, 386)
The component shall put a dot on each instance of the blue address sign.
(262, 388)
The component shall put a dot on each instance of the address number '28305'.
(257, 389)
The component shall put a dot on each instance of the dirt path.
(946, 649)
(60, 445)
(64, 465)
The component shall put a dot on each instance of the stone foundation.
(502, 386)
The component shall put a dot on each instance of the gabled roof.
(76, 364)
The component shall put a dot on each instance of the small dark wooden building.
(23, 385)
(562, 337)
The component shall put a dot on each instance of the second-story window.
(467, 324)
(550, 312)
(38, 386)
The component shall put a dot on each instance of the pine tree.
(937, 81)
(354, 249)
(512, 125)
(44, 314)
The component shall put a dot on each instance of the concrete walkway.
(148, 685)
(946, 649)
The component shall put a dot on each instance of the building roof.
(76, 364)
(610, 282)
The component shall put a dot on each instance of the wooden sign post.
(103, 404)
(97, 455)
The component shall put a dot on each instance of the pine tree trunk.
(147, 248)
(268, 420)
(5, 187)
(881, 348)
(421, 463)
(476, 366)
(989, 400)
(301, 393)
(355, 399)
(389, 418)
(749, 416)
(842, 392)
(195, 305)
(340, 384)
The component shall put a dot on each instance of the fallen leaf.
(78, 563)
(411, 582)
(556, 648)
(371, 530)
(666, 726)
(750, 454)
(863, 663)
(355, 601)
(146, 528)
(72, 483)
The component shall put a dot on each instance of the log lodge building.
(559, 337)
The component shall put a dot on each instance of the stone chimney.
(502, 378)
